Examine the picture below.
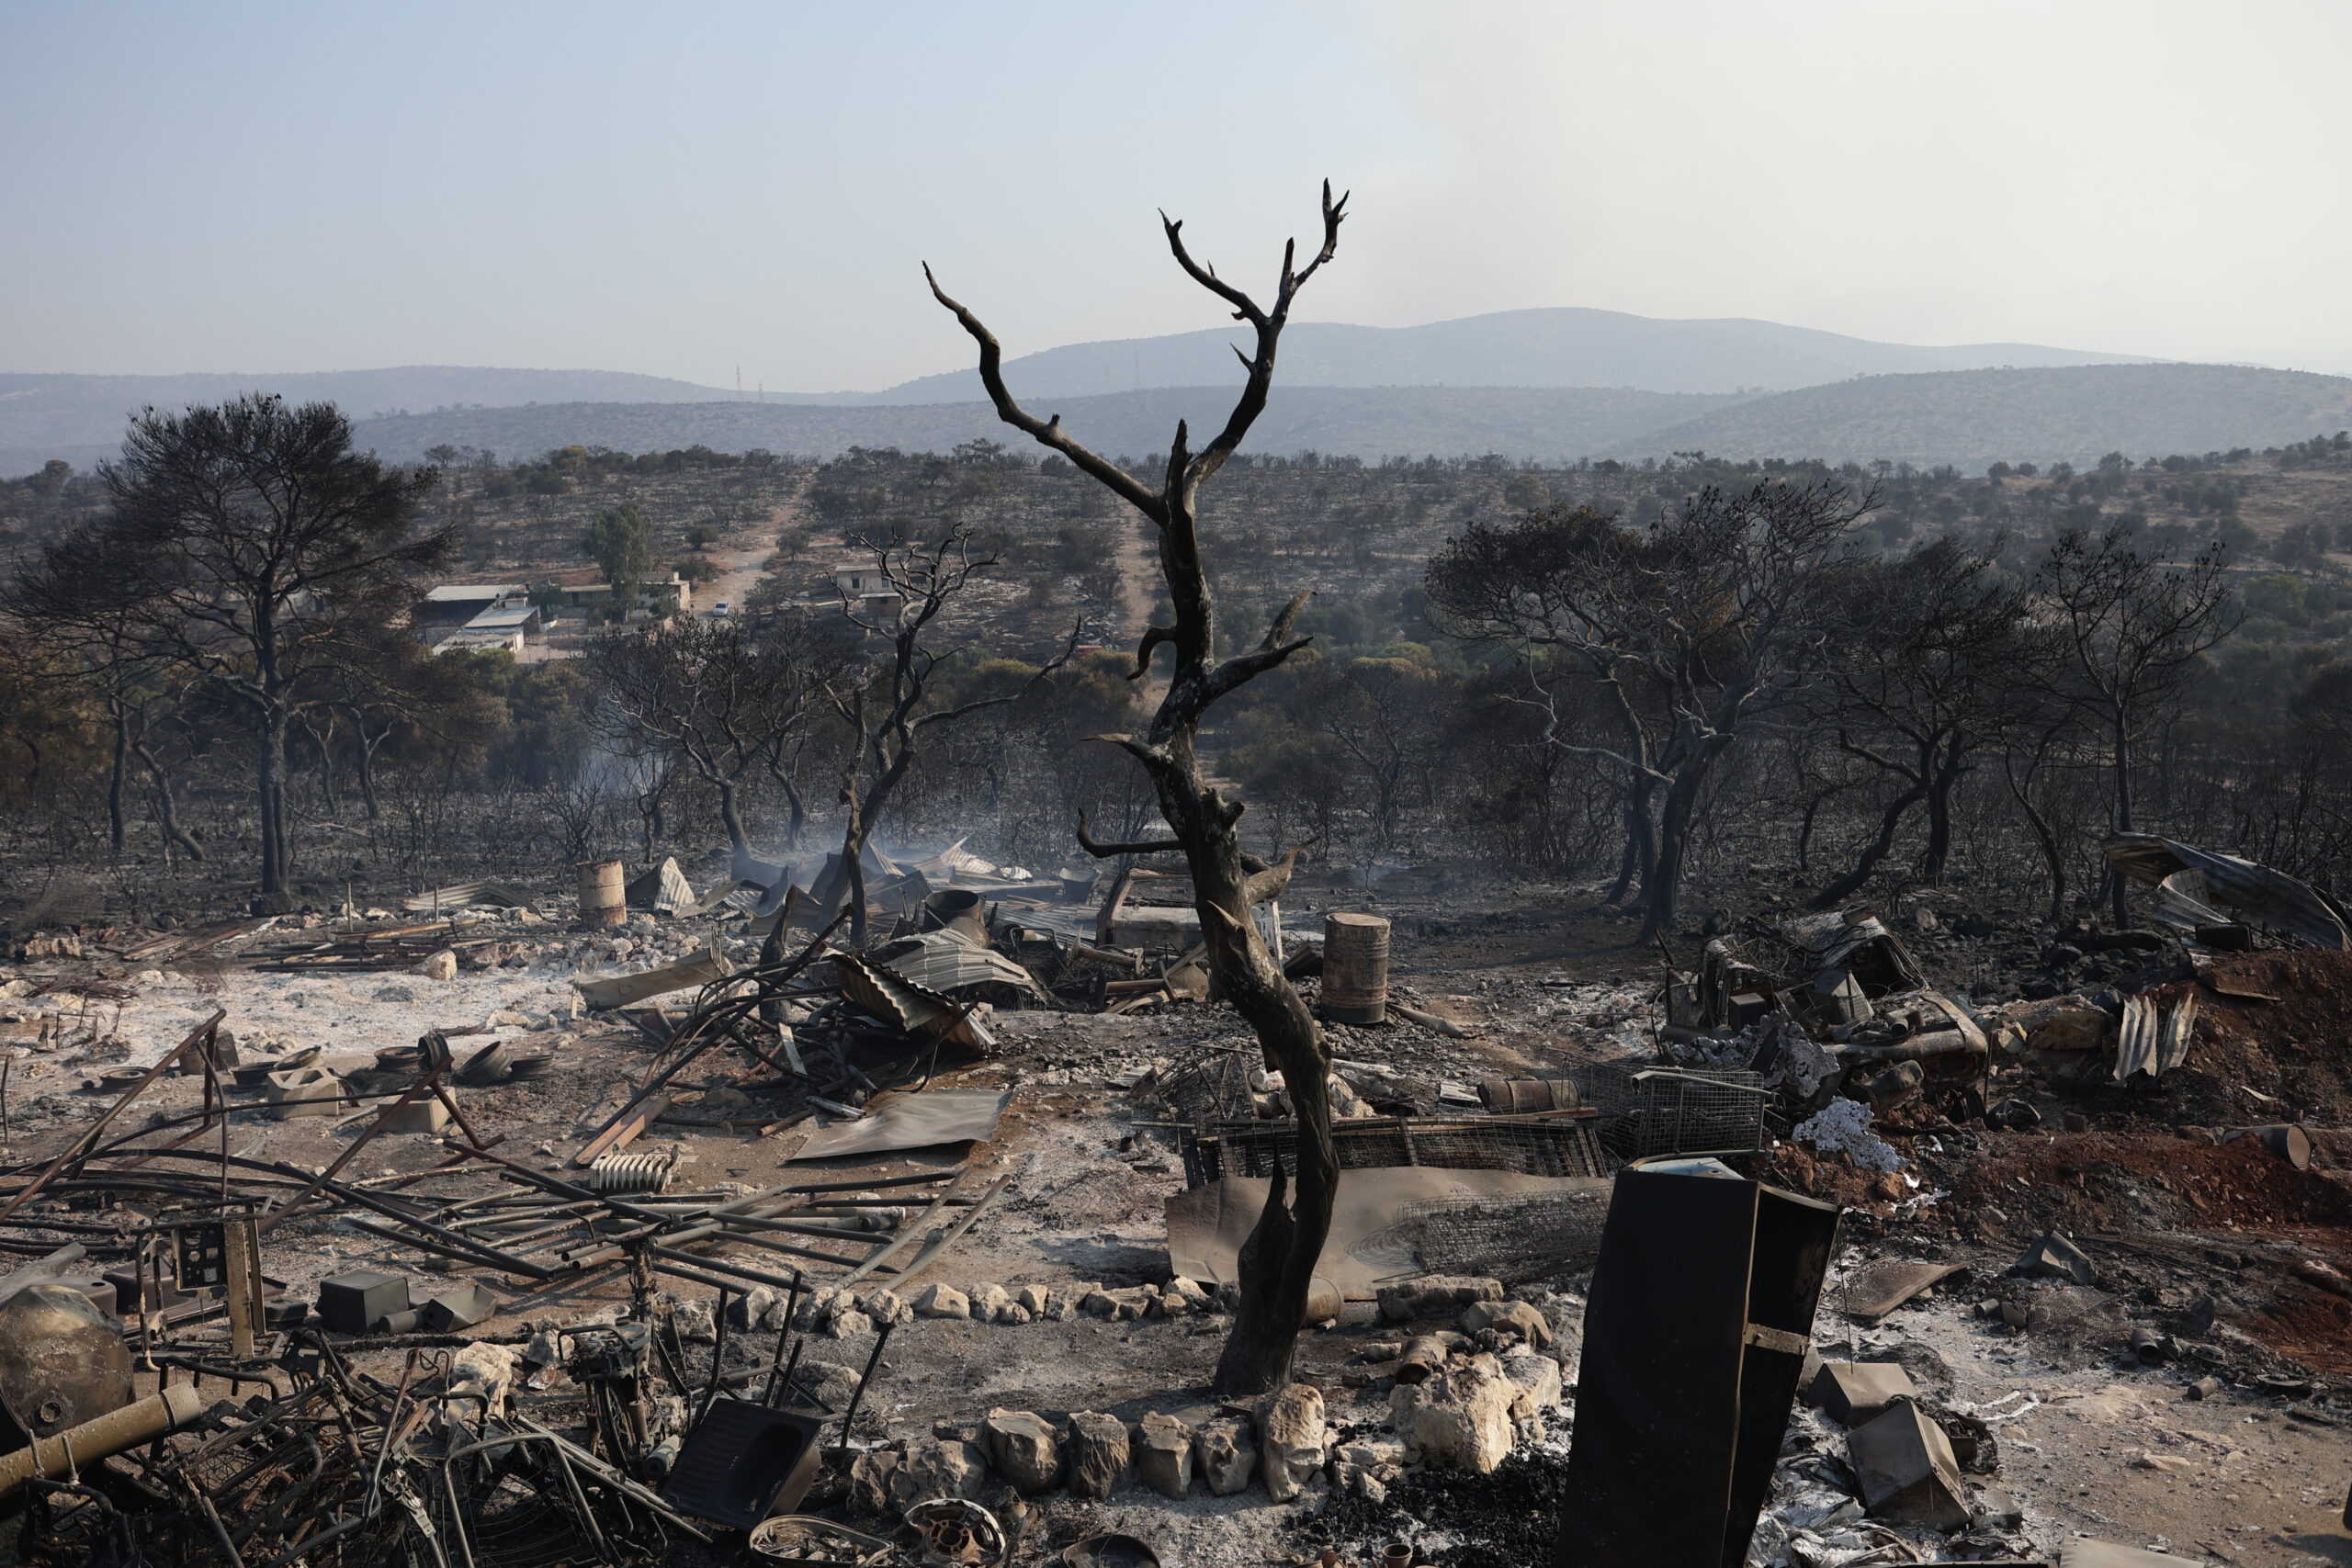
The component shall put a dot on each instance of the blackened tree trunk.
(1277, 1263)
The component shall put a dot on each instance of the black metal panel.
(1679, 1418)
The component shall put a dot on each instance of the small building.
(505, 617)
(471, 639)
(863, 582)
(580, 587)
(456, 604)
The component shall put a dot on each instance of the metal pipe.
(113, 1433)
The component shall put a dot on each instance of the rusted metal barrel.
(956, 909)
(1355, 968)
(1520, 1097)
(604, 893)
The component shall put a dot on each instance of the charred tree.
(1277, 1263)
(892, 711)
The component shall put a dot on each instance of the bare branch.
(1152, 638)
(1046, 433)
(1280, 631)
(1100, 850)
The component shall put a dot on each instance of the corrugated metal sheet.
(2255, 893)
(945, 961)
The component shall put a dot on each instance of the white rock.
(1294, 1440)
(942, 1301)
(1459, 1419)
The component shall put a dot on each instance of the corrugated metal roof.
(461, 592)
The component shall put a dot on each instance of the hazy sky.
(686, 187)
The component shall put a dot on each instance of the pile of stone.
(843, 1314)
(1458, 1398)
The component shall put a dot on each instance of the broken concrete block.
(1293, 1441)
(487, 1371)
(1034, 1298)
(1459, 1419)
(942, 1301)
(849, 1325)
(694, 1321)
(1441, 1295)
(303, 1091)
(1098, 1454)
(1538, 1380)
(1224, 1452)
(2056, 1256)
(1514, 1317)
(940, 1467)
(884, 1306)
(1850, 1393)
(441, 966)
(986, 1300)
(1908, 1472)
(870, 1478)
(1162, 1448)
(423, 1114)
(1026, 1448)
(1011, 1313)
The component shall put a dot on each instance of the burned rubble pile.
(293, 1288)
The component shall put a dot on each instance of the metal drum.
(1355, 968)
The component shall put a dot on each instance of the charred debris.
(585, 1352)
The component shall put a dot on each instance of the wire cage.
(1560, 1143)
(1649, 1111)
(1212, 1091)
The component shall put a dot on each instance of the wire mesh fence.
(1649, 1111)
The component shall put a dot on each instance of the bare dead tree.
(891, 715)
(721, 698)
(1277, 1262)
(1922, 651)
(2134, 625)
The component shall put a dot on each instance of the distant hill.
(1974, 417)
(1965, 417)
(1560, 347)
(1368, 421)
(80, 418)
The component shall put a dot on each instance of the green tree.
(621, 541)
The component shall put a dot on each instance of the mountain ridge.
(1967, 418)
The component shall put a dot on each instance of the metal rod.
(90, 1136)
(881, 1337)
(717, 1350)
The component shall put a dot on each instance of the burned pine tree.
(1698, 630)
(1277, 1263)
(249, 549)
